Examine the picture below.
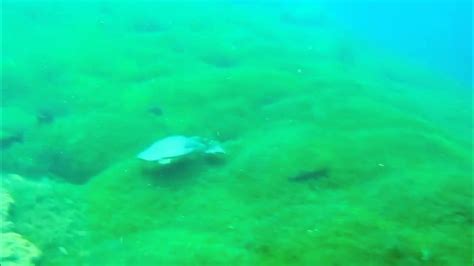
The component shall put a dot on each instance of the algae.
(285, 91)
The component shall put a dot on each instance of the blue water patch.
(434, 33)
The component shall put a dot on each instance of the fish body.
(164, 151)
(310, 175)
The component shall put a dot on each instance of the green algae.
(285, 94)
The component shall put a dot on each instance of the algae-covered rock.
(17, 251)
(77, 147)
(14, 123)
(5, 202)
(14, 249)
(47, 212)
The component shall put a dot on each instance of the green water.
(88, 85)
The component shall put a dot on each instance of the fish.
(165, 150)
(310, 175)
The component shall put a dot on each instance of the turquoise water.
(340, 148)
(437, 34)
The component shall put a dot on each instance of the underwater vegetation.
(336, 153)
(15, 250)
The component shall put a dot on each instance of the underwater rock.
(173, 147)
(75, 147)
(17, 251)
(5, 202)
(47, 212)
(14, 122)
